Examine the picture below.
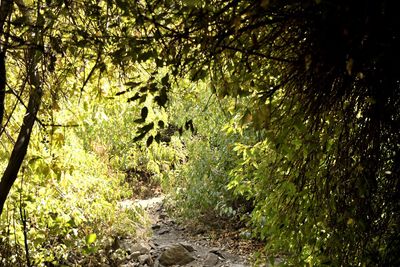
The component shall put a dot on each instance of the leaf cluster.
(322, 75)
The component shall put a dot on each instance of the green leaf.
(157, 137)
(120, 93)
(139, 137)
(144, 112)
(90, 238)
(161, 124)
(135, 97)
(146, 128)
(162, 99)
(142, 99)
(139, 120)
(149, 141)
(19, 21)
(199, 75)
(159, 63)
(132, 84)
(165, 80)
(143, 89)
(153, 87)
(146, 55)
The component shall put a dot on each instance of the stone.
(141, 248)
(129, 264)
(130, 246)
(120, 243)
(188, 247)
(152, 245)
(211, 260)
(155, 226)
(163, 231)
(145, 259)
(134, 255)
(175, 255)
(217, 252)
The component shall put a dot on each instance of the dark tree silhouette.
(334, 64)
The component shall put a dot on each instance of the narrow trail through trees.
(173, 244)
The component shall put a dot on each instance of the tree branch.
(21, 145)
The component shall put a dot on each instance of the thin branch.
(25, 106)
(90, 73)
(254, 53)
(22, 212)
(60, 125)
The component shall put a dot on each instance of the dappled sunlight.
(199, 133)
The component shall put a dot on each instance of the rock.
(155, 226)
(163, 231)
(200, 232)
(130, 245)
(211, 260)
(149, 203)
(152, 245)
(121, 243)
(141, 248)
(145, 259)
(134, 255)
(129, 264)
(163, 216)
(175, 255)
(188, 247)
(217, 252)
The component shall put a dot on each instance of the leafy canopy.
(321, 90)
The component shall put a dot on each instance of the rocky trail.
(172, 244)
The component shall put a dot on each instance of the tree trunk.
(21, 145)
(33, 58)
(5, 9)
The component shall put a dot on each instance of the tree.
(322, 77)
(33, 58)
(34, 36)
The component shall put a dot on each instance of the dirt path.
(172, 244)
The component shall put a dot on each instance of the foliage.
(326, 88)
(199, 183)
(310, 88)
(69, 198)
(51, 57)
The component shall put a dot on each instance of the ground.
(179, 244)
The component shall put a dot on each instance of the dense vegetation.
(284, 115)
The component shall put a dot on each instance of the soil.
(176, 244)
(166, 242)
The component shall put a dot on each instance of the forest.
(277, 121)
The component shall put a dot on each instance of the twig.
(90, 73)
(22, 213)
